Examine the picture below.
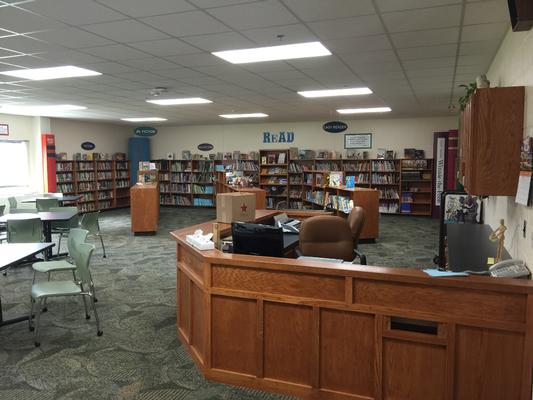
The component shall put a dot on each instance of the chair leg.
(30, 318)
(59, 244)
(93, 289)
(98, 331)
(87, 316)
(37, 321)
(103, 247)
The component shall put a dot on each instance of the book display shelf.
(246, 168)
(417, 184)
(273, 176)
(186, 182)
(104, 184)
(386, 178)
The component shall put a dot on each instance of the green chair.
(23, 211)
(62, 228)
(89, 221)
(75, 238)
(12, 203)
(84, 287)
(24, 230)
(3, 232)
(46, 204)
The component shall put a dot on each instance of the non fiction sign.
(281, 137)
(88, 146)
(205, 146)
(145, 131)
(334, 126)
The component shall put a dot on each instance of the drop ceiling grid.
(254, 31)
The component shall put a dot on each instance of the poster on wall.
(523, 191)
(439, 169)
(358, 141)
(4, 130)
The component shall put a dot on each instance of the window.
(14, 163)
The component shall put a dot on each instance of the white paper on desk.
(524, 186)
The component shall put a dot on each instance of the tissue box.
(235, 207)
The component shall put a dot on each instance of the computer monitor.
(257, 239)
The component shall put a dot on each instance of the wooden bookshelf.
(104, 184)
(417, 187)
(273, 176)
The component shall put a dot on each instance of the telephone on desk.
(289, 225)
(509, 269)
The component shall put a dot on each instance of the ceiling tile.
(417, 53)
(276, 75)
(126, 31)
(429, 63)
(143, 8)
(488, 11)
(348, 27)
(377, 67)
(28, 62)
(254, 15)
(358, 44)
(369, 57)
(475, 59)
(296, 33)
(165, 47)
(26, 44)
(427, 18)
(196, 60)
(425, 38)
(220, 41)
(496, 30)
(180, 73)
(74, 12)
(433, 72)
(479, 47)
(73, 38)
(69, 57)
(218, 3)
(115, 52)
(398, 5)
(22, 21)
(151, 64)
(186, 24)
(315, 10)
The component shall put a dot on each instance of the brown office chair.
(328, 236)
(356, 221)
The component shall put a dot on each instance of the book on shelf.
(281, 158)
(350, 182)
(336, 178)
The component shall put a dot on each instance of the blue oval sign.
(145, 131)
(205, 146)
(334, 126)
(88, 146)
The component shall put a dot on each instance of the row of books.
(274, 171)
(389, 194)
(105, 195)
(85, 176)
(415, 164)
(274, 158)
(63, 167)
(105, 175)
(87, 197)
(64, 177)
(122, 175)
(274, 180)
(86, 207)
(104, 165)
(65, 188)
(123, 184)
(86, 186)
(384, 179)
(175, 200)
(327, 166)
(203, 202)
(388, 208)
(341, 203)
(203, 177)
(85, 166)
(245, 165)
(380, 166)
(174, 188)
(102, 185)
(357, 166)
(297, 205)
(203, 189)
(295, 194)
(316, 197)
(104, 204)
(122, 165)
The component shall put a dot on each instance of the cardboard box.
(235, 207)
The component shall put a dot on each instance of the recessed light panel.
(41, 74)
(173, 102)
(336, 92)
(273, 53)
(144, 119)
(250, 115)
(364, 110)
(39, 110)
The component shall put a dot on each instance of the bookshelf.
(273, 175)
(247, 168)
(417, 187)
(386, 178)
(103, 184)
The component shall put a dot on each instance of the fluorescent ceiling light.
(272, 53)
(144, 119)
(171, 102)
(39, 110)
(364, 110)
(41, 74)
(251, 115)
(336, 92)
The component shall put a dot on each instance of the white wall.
(513, 66)
(392, 134)
(108, 138)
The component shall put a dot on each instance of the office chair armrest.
(361, 256)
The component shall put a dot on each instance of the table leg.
(10, 321)
(47, 230)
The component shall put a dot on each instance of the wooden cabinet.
(491, 132)
(144, 208)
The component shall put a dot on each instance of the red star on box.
(243, 208)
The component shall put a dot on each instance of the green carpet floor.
(139, 356)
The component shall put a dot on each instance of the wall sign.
(88, 146)
(205, 146)
(4, 129)
(334, 126)
(358, 141)
(281, 137)
(145, 131)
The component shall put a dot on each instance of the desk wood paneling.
(321, 331)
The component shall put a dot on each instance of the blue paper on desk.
(442, 274)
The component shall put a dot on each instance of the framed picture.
(358, 141)
(4, 130)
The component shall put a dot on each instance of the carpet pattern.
(139, 356)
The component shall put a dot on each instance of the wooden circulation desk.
(341, 331)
